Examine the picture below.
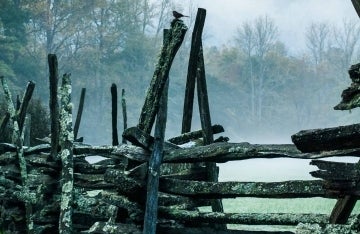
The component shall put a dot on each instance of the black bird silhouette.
(178, 15)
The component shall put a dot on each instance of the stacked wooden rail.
(156, 185)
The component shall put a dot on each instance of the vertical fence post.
(115, 139)
(123, 105)
(66, 156)
(54, 105)
(151, 210)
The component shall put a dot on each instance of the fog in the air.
(273, 67)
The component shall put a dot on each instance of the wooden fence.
(154, 185)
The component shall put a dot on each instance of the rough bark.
(192, 70)
(190, 136)
(54, 105)
(168, 52)
(201, 189)
(151, 208)
(242, 218)
(66, 156)
(316, 140)
(341, 178)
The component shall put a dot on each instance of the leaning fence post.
(192, 69)
(24, 104)
(151, 210)
(66, 155)
(168, 52)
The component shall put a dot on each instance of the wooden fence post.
(79, 113)
(123, 105)
(21, 114)
(192, 69)
(54, 105)
(66, 155)
(205, 118)
(115, 139)
(151, 210)
(168, 52)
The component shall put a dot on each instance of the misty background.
(273, 67)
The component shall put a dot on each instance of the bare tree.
(256, 39)
(346, 40)
(317, 36)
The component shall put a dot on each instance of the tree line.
(256, 87)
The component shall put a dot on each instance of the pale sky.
(292, 17)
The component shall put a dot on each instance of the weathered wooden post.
(151, 210)
(79, 113)
(123, 105)
(140, 135)
(205, 118)
(192, 70)
(54, 105)
(168, 52)
(66, 155)
(21, 113)
(115, 139)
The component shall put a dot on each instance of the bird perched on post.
(178, 15)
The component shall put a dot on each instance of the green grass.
(265, 205)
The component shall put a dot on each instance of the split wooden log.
(196, 217)
(341, 180)
(125, 185)
(168, 52)
(66, 156)
(336, 171)
(201, 189)
(326, 139)
(351, 95)
(140, 138)
(190, 136)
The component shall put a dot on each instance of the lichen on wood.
(202, 189)
(66, 156)
(241, 218)
(168, 52)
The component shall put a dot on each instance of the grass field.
(264, 205)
